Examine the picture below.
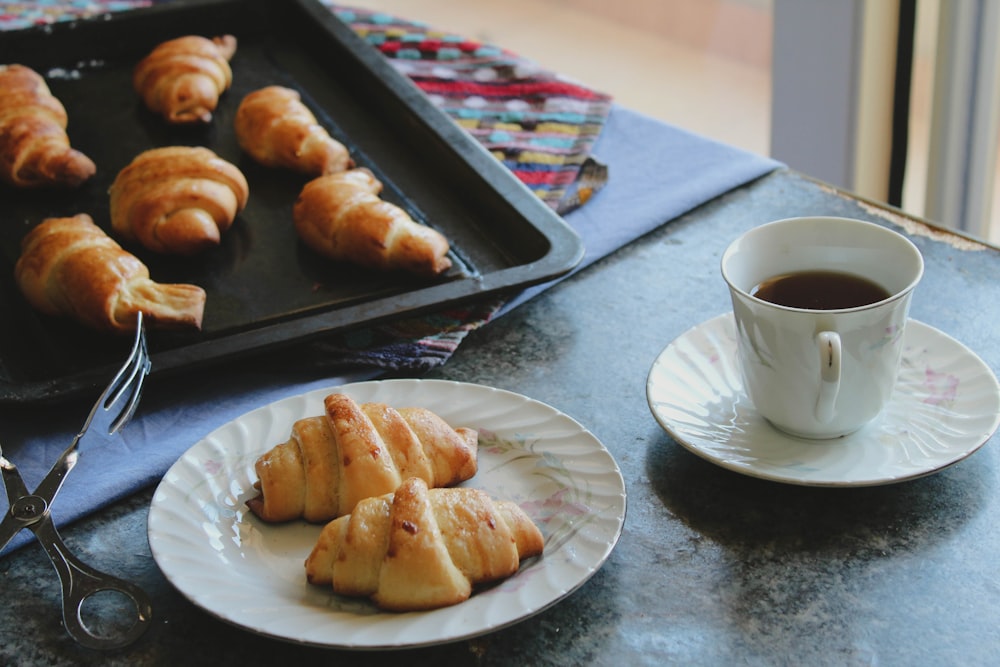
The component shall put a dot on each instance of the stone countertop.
(712, 567)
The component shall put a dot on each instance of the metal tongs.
(31, 510)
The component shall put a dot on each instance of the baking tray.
(265, 289)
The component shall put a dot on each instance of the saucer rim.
(748, 468)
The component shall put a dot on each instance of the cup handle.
(828, 344)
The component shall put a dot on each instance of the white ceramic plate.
(251, 574)
(946, 405)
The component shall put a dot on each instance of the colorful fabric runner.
(540, 125)
(20, 15)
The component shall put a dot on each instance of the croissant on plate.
(277, 130)
(342, 217)
(34, 147)
(354, 451)
(177, 199)
(422, 548)
(183, 78)
(69, 267)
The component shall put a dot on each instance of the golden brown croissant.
(182, 79)
(356, 451)
(342, 217)
(278, 130)
(422, 548)
(34, 147)
(70, 267)
(177, 199)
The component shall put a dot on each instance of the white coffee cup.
(820, 373)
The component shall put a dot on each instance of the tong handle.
(79, 582)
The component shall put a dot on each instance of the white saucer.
(946, 406)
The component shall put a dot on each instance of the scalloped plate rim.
(164, 547)
(721, 450)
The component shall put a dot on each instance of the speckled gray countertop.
(713, 568)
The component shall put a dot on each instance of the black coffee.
(820, 290)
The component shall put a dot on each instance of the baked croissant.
(342, 217)
(177, 199)
(182, 79)
(70, 267)
(332, 461)
(34, 147)
(422, 548)
(278, 130)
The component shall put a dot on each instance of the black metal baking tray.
(264, 288)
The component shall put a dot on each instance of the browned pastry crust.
(356, 451)
(277, 130)
(34, 147)
(422, 548)
(177, 199)
(69, 267)
(342, 217)
(182, 79)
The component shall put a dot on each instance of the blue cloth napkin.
(658, 172)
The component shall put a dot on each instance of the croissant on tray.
(34, 147)
(277, 130)
(342, 217)
(177, 199)
(182, 79)
(354, 451)
(69, 267)
(422, 548)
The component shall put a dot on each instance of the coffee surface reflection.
(820, 290)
